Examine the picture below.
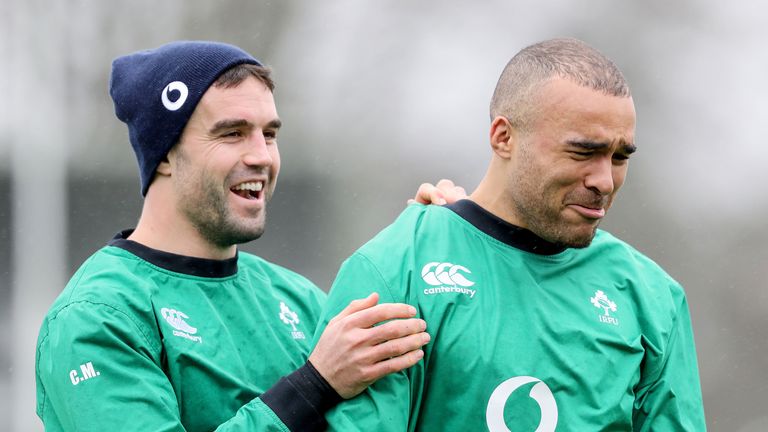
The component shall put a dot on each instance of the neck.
(161, 227)
(488, 196)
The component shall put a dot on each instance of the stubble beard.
(542, 217)
(547, 223)
(209, 212)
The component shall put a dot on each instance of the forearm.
(301, 399)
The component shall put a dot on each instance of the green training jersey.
(526, 336)
(142, 340)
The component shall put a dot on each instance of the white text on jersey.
(447, 277)
(87, 372)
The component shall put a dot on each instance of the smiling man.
(169, 327)
(539, 320)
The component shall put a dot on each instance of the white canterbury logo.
(436, 273)
(177, 320)
(447, 278)
(183, 93)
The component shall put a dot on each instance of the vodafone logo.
(174, 87)
(437, 273)
(494, 414)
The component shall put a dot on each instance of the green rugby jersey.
(142, 340)
(525, 336)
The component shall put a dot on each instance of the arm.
(387, 404)
(353, 352)
(97, 366)
(99, 369)
(669, 394)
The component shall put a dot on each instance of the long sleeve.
(100, 369)
(385, 405)
(669, 394)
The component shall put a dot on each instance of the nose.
(600, 176)
(257, 151)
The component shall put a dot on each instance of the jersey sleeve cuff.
(301, 399)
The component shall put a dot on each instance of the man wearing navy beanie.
(169, 327)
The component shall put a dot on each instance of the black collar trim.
(503, 231)
(192, 266)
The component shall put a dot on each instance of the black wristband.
(301, 399)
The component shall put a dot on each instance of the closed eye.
(582, 154)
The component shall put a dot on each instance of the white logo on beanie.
(183, 92)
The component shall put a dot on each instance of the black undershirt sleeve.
(301, 399)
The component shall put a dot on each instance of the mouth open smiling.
(249, 190)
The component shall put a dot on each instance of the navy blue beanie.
(155, 92)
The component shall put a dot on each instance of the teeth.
(250, 186)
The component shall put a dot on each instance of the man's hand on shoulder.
(353, 352)
(444, 192)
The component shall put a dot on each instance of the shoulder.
(254, 264)
(111, 276)
(417, 224)
(111, 289)
(617, 250)
(278, 277)
(387, 260)
(654, 290)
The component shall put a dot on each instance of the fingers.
(395, 364)
(357, 306)
(451, 192)
(397, 347)
(397, 329)
(444, 192)
(428, 194)
(381, 312)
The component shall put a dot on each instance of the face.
(226, 164)
(567, 168)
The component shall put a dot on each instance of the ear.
(164, 169)
(502, 137)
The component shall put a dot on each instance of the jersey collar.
(176, 263)
(503, 231)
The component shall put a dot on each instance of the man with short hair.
(539, 320)
(169, 327)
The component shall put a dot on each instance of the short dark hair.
(565, 58)
(237, 74)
